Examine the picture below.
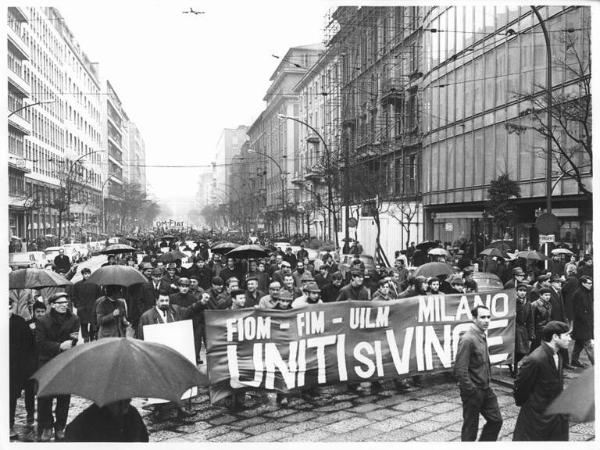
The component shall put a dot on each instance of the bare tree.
(571, 133)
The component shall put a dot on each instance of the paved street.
(432, 413)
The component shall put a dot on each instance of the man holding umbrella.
(57, 332)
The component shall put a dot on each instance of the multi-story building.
(63, 148)
(18, 126)
(115, 139)
(226, 157)
(317, 186)
(135, 165)
(380, 51)
(484, 84)
(274, 140)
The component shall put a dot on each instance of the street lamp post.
(41, 102)
(329, 187)
(548, 111)
(282, 176)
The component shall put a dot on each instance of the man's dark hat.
(545, 291)
(251, 277)
(56, 296)
(217, 281)
(518, 271)
(555, 327)
(523, 286)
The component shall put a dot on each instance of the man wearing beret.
(169, 280)
(186, 299)
(253, 295)
(538, 383)
(57, 332)
(541, 311)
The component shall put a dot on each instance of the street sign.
(449, 226)
(547, 238)
(547, 223)
(352, 222)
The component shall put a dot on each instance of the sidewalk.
(431, 414)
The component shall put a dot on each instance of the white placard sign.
(179, 336)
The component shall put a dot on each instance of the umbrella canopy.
(425, 245)
(562, 251)
(493, 251)
(168, 236)
(577, 399)
(117, 248)
(532, 255)
(224, 247)
(112, 369)
(248, 251)
(433, 269)
(502, 244)
(132, 239)
(171, 256)
(119, 275)
(438, 251)
(35, 279)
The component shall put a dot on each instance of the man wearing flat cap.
(541, 311)
(518, 276)
(186, 299)
(538, 383)
(56, 332)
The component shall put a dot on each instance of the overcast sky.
(183, 78)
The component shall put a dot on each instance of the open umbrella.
(117, 248)
(493, 251)
(532, 255)
(224, 247)
(562, 251)
(500, 244)
(119, 275)
(438, 251)
(132, 239)
(113, 369)
(577, 399)
(168, 237)
(433, 269)
(171, 256)
(426, 245)
(35, 279)
(248, 251)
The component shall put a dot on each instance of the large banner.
(351, 341)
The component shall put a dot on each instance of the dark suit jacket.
(174, 314)
(538, 383)
(51, 331)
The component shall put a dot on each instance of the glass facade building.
(483, 65)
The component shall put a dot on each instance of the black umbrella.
(168, 236)
(132, 239)
(172, 256)
(224, 247)
(577, 399)
(35, 279)
(248, 251)
(117, 248)
(433, 269)
(118, 275)
(493, 251)
(505, 246)
(426, 245)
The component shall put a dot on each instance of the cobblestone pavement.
(432, 413)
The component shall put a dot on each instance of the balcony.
(315, 173)
(20, 123)
(17, 44)
(116, 140)
(392, 90)
(18, 83)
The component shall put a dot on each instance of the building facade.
(227, 152)
(135, 165)
(274, 140)
(483, 88)
(61, 157)
(19, 90)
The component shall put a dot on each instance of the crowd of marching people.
(177, 290)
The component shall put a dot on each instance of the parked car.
(487, 281)
(346, 262)
(41, 260)
(22, 260)
(84, 251)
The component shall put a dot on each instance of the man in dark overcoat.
(583, 321)
(538, 383)
(84, 297)
(56, 332)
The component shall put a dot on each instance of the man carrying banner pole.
(472, 369)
